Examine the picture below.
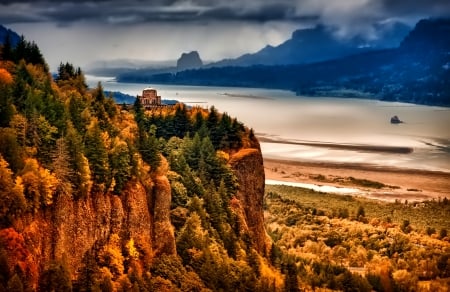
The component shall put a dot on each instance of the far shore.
(377, 182)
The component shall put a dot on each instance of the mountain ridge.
(317, 44)
(416, 72)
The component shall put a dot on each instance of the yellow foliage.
(117, 144)
(48, 183)
(39, 184)
(111, 256)
(106, 139)
(405, 280)
(127, 126)
(18, 186)
(38, 75)
(243, 153)
(223, 156)
(133, 253)
(270, 274)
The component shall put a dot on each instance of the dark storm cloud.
(139, 11)
(144, 11)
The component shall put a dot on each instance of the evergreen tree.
(120, 165)
(199, 121)
(149, 149)
(11, 150)
(98, 107)
(7, 49)
(212, 123)
(181, 121)
(20, 50)
(21, 87)
(76, 107)
(139, 113)
(97, 155)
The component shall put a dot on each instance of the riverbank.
(376, 182)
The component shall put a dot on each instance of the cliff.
(248, 166)
(72, 230)
(97, 197)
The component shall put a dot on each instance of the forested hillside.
(97, 197)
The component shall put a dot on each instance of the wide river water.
(280, 115)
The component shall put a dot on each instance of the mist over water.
(280, 115)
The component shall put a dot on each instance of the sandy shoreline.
(399, 183)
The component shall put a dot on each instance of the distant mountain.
(305, 46)
(14, 37)
(320, 44)
(144, 69)
(418, 71)
(429, 35)
(189, 60)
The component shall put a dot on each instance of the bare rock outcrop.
(163, 232)
(189, 60)
(249, 169)
(73, 228)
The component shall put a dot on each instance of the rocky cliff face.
(249, 169)
(72, 229)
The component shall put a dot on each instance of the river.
(310, 128)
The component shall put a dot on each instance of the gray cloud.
(88, 30)
(144, 11)
(345, 12)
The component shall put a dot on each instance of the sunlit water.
(280, 114)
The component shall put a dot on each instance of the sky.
(82, 32)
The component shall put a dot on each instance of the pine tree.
(97, 155)
(149, 149)
(212, 123)
(120, 161)
(181, 121)
(7, 50)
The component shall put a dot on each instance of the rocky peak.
(189, 61)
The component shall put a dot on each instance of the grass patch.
(432, 214)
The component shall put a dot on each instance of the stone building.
(150, 98)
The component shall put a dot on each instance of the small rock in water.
(396, 120)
